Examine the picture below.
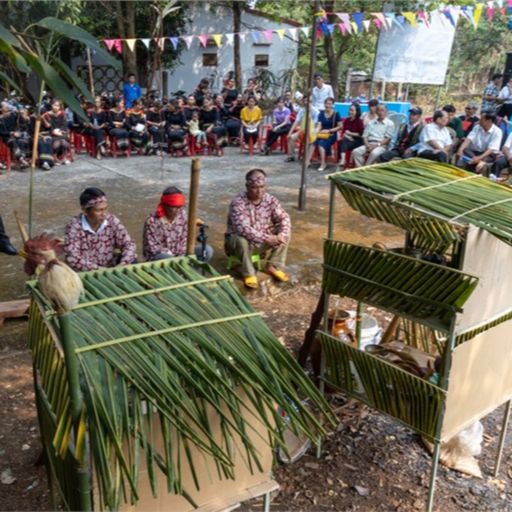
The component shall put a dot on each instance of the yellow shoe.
(278, 275)
(251, 282)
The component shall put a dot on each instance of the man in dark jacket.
(408, 136)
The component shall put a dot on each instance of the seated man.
(481, 145)
(435, 139)
(257, 221)
(408, 137)
(96, 238)
(469, 119)
(165, 231)
(376, 137)
(504, 161)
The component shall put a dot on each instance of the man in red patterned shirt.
(258, 222)
(165, 231)
(96, 238)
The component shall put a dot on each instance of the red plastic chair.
(251, 141)
(114, 149)
(5, 156)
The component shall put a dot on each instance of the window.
(261, 61)
(210, 59)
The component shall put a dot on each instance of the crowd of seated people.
(206, 122)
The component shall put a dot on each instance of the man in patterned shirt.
(258, 222)
(96, 238)
(491, 93)
(165, 231)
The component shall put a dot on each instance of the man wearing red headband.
(165, 231)
(258, 222)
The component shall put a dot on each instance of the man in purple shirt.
(280, 125)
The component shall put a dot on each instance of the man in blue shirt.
(131, 91)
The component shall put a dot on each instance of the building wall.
(205, 19)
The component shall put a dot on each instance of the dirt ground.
(368, 462)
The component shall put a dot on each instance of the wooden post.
(312, 62)
(89, 66)
(33, 167)
(195, 170)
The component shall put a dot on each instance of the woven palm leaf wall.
(429, 293)
(163, 338)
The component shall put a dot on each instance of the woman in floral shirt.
(96, 238)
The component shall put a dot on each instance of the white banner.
(415, 55)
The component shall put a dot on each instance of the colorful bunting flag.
(109, 43)
(305, 31)
(411, 18)
(160, 42)
(188, 41)
(354, 27)
(174, 42)
(267, 34)
(131, 44)
(255, 37)
(330, 28)
(293, 33)
(280, 32)
(342, 28)
(490, 13)
(423, 15)
(358, 18)
(378, 23)
(118, 46)
(146, 42)
(242, 36)
(218, 39)
(366, 24)
(230, 38)
(449, 16)
(477, 13)
(203, 39)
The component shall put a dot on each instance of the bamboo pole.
(192, 205)
(89, 66)
(312, 62)
(503, 434)
(75, 400)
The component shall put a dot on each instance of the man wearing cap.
(96, 238)
(258, 223)
(481, 146)
(408, 137)
(321, 91)
(376, 137)
(165, 231)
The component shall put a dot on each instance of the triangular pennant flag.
(330, 28)
(242, 36)
(354, 26)
(455, 12)
(318, 33)
(293, 33)
(160, 42)
(422, 15)
(378, 23)
(146, 42)
(267, 34)
(255, 37)
(280, 32)
(449, 16)
(380, 20)
(348, 27)
(366, 24)
(174, 42)
(410, 17)
(467, 12)
(305, 31)
(188, 41)
(358, 18)
(118, 46)
(390, 18)
(342, 14)
(230, 38)
(218, 39)
(131, 43)
(345, 17)
(490, 12)
(400, 20)
(203, 39)
(109, 43)
(478, 13)
(342, 28)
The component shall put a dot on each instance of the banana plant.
(35, 50)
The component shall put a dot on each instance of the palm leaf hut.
(449, 287)
(164, 390)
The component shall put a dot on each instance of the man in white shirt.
(376, 137)
(435, 139)
(504, 160)
(321, 92)
(481, 146)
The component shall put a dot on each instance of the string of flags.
(347, 24)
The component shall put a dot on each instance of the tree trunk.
(237, 22)
(125, 19)
(332, 58)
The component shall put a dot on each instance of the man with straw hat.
(258, 223)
